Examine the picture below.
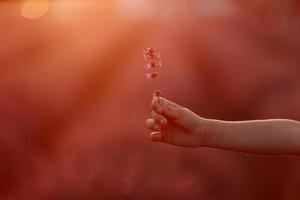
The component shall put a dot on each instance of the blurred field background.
(74, 98)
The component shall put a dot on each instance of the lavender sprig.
(154, 63)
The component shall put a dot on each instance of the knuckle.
(149, 122)
(185, 109)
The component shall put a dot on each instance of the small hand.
(175, 124)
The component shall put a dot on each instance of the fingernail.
(156, 137)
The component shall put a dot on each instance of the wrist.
(203, 132)
(208, 132)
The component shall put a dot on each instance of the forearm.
(278, 136)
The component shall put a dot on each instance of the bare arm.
(273, 136)
(174, 124)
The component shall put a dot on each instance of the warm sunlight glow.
(33, 9)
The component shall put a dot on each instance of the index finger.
(166, 108)
(155, 105)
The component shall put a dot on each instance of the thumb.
(166, 108)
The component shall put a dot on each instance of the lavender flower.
(153, 58)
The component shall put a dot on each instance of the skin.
(177, 125)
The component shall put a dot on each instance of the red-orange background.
(74, 98)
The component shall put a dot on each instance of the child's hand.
(175, 124)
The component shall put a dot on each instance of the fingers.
(161, 136)
(163, 109)
(152, 125)
(156, 136)
(161, 120)
(156, 123)
(156, 106)
(166, 108)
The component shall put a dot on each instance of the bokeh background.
(74, 98)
